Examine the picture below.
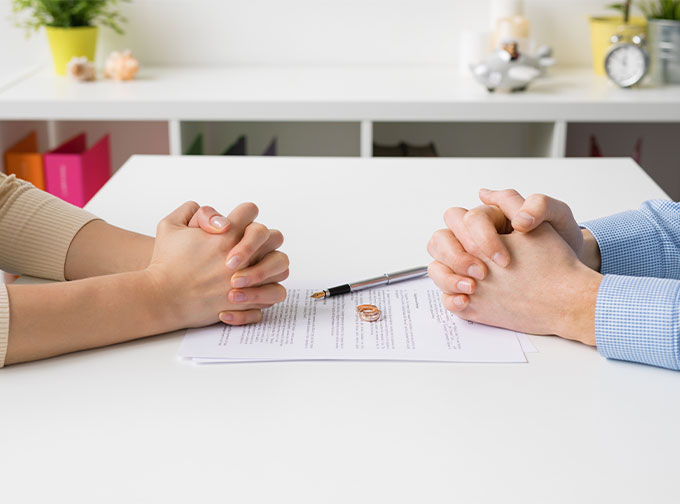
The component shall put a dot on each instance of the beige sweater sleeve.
(36, 230)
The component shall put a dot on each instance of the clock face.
(626, 64)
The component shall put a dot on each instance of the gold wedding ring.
(368, 312)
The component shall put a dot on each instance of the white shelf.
(340, 111)
(331, 94)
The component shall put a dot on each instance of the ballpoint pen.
(386, 279)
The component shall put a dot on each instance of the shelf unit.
(341, 111)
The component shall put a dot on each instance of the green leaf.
(32, 14)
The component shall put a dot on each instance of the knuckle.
(434, 269)
(461, 263)
(538, 202)
(250, 207)
(285, 260)
(470, 216)
(441, 234)
(508, 193)
(537, 198)
(256, 275)
(453, 212)
(449, 303)
(259, 229)
(257, 296)
(277, 237)
(192, 205)
(436, 238)
(257, 234)
(284, 275)
(431, 246)
(474, 214)
(562, 206)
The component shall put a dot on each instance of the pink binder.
(75, 173)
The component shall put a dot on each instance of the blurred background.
(313, 32)
(345, 78)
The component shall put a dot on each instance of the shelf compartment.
(660, 147)
(471, 139)
(293, 138)
(127, 137)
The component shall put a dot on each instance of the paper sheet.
(526, 343)
(414, 326)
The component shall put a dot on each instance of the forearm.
(102, 249)
(53, 319)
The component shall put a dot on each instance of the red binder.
(75, 173)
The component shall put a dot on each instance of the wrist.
(157, 301)
(578, 300)
(590, 253)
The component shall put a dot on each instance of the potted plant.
(603, 28)
(664, 39)
(71, 25)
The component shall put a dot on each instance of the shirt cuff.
(4, 323)
(637, 319)
(41, 229)
(629, 245)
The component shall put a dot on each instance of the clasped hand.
(207, 267)
(519, 264)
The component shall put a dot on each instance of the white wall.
(310, 31)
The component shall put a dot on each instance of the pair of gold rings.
(368, 312)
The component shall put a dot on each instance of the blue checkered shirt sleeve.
(637, 317)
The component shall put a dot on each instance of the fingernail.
(233, 262)
(239, 282)
(239, 296)
(464, 286)
(475, 272)
(459, 300)
(219, 221)
(484, 190)
(226, 317)
(524, 219)
(500, 259)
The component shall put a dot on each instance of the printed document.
(414, 326)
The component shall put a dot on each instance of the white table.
(132, 424)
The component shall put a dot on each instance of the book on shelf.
(75, 173)
(238, 148)
(272, 148)
(196, 148)
(25, 162)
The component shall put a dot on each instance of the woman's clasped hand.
(208, 268)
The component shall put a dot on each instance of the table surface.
(131, 423)
(397, 93)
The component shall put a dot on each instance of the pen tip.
(319, 295)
